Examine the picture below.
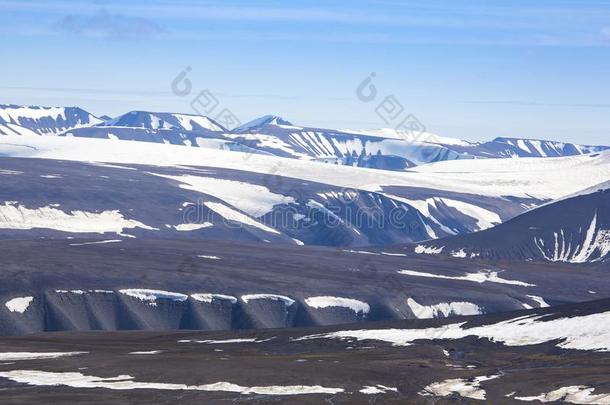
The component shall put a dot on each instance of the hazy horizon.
(465, 69)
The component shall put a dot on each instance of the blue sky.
(468, 69)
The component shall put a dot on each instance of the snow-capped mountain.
(574, 229)
(273, 135)
(269, 198)
(155, 121)
(263, 123)
(516, 147)
(22, 120)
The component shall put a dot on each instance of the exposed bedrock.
(141, 309)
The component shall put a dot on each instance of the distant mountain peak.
(263, 121)
(15, 119)
(161, 120)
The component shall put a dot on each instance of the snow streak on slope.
(479, 277)
(253, 199)
(595, 247)
(230, 214)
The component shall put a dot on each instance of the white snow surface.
(485, 218)
(286, 300)
(540, 178)
(19, 304)
(479, 277)
(98, 242)
(443, 310)
(230, 214)
(377, 389)
(192, 227)
(428, 250)
(327, 301)
(210, 257)
(223, 342)
(149, 352)
(575, 394)
(12, 115)
(151, 296)
(252, 199)
(126, 382)
(208, 298)
(540, 301)
(464, 388)
(595, 247)
(587, 332)
(15, 216)
(17, 356)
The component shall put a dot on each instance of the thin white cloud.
(103, 24)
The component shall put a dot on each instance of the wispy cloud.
(103, 24)
(543, 104)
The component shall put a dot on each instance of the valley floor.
(309, 366)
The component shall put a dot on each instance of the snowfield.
(575, 394)
(252, 199)
(541, 178)
(15, 216)
(587, 332)
(126, 382)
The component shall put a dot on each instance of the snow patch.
(464, 388)
(587, 332)
(377, 389)
(147, 352)
(209, 257)
(575, 394)
(327, 301)
(443, 310)
(151, 296)
(17, 356)
(192, 227)
(208, 298)
(428, 250)
(16, 216)
(479, 277)
(232, 215)
(252, 199)
(99, 242)
(19, 304)
(126, 382)
(286, 300)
